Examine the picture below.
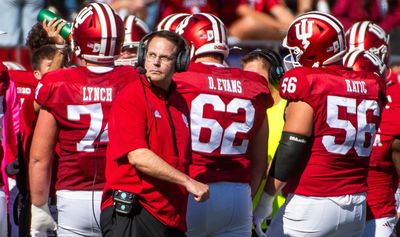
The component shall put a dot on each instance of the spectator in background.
(18, 17)
(226, 12)
(385, 13)
(265, 19)
(301, 6)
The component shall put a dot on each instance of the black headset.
(182, 57)
(276, 70)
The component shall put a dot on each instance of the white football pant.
(78, 213)
(227, 213)
(320, 216)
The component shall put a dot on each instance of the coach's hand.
(199, 190)
(41, 220)
(262, 211)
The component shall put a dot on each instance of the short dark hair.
(252, 57)
(44, 52)
(173, 37)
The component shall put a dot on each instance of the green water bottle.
(47, 15)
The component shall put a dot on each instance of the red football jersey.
(382, 177)
(25, 82)
(80, 100)
(347, 107)
(227, 107)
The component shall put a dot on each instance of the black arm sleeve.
(292, 147)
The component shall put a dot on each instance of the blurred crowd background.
(251, 23)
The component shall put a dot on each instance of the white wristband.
(60, 46)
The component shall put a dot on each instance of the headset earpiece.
(276, 70)
(182, 58)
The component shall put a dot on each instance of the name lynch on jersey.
(97, 94)
(356, 86)
(219, 84)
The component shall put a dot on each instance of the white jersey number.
(355, 137)
(96, 120)
(289, 84)
(219, 137)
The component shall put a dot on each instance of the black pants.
(139, 223)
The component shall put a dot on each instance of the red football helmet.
(97, 33)
(366, 35)
(171, 22)
(364, 61)
(14, 66)
(206, 33)
(135, 29)
(315, 39)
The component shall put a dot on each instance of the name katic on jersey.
(96, 94)
(219, 84)
(356, 86)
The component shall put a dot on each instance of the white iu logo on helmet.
(304, 31)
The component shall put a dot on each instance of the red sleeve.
(127, 122)
(294, 86)
(42, 93)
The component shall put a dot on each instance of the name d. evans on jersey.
(219, 84)
(96, 94)
(356, 86)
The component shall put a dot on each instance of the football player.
(268, 63)
(331, 119)
(382, 176)
(8, 131)
(383, 172)
(135, 29)
(228, 128)
(75, 104)
(366, 35)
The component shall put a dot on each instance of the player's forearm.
(258, 155)
(41, 157)
(257, 174)
(151, 164)
(39, 180)
(273, 186)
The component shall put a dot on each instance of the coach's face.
(160, 61)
